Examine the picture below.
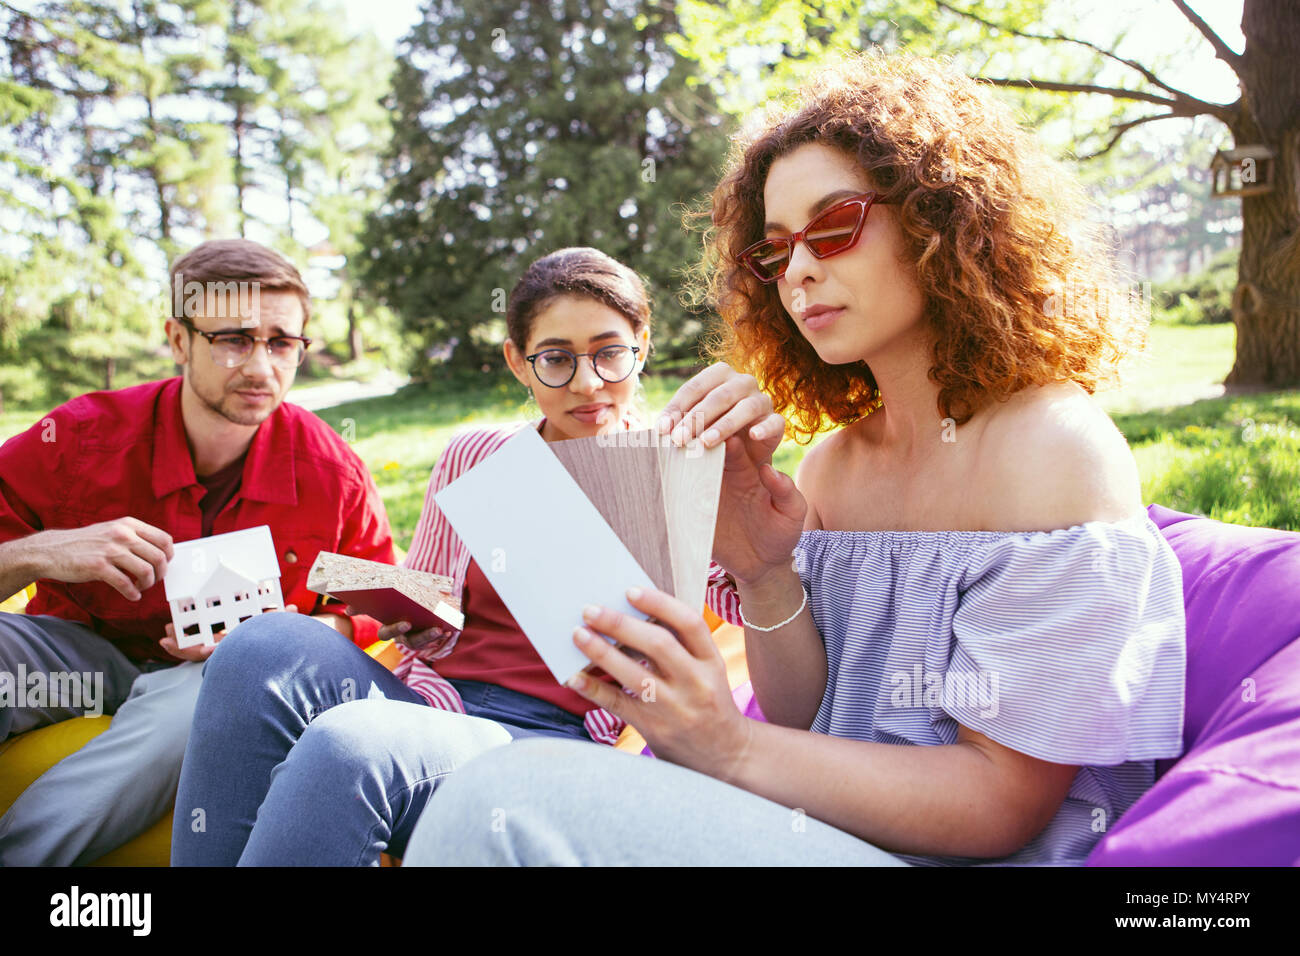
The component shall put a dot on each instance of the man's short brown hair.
(240, 260)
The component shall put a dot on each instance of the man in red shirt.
(92, 498)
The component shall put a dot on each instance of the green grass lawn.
(1232, 458)
(1179, 362)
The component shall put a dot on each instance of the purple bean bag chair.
(1233, 798)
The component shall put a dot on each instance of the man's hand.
(201, 652)
(126, 554)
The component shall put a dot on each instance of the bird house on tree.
(214, 584)
(1245, 171)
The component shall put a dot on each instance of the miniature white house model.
(215, 583)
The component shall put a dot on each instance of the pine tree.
(75, 282)
(530, 125)
(133, 129)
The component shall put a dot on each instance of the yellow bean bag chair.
(25, 757)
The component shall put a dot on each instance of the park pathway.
(1136, 400)
(316, 397)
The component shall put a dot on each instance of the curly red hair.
(1019, 288)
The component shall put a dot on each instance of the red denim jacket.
(110, 455)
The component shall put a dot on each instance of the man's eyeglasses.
(830, 233)
(555, 368)
(232, 349)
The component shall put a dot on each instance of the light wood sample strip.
(692, 480)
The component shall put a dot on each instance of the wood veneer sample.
(661, 500)
(691, 478)
(620, 476)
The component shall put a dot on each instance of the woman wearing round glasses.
(977, 654)
(293, 719)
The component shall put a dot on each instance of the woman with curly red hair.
(977, 653)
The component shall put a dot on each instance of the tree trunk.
(355, 344)
(110, 366)
(240, 169)
(160, 185)
(154, 169)
(288, 198)
(236, 64)
(1266, 303)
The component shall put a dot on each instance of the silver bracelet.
(776, 627)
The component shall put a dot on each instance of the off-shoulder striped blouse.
(1065, 645)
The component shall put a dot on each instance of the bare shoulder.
(1050, 458)
(810, 465)
(810, 477)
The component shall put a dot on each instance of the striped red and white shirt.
(436, 548)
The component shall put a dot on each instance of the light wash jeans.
(306, 751)
(551, 802)
(112, 789)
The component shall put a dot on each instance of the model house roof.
(225, 578)
(249, 553)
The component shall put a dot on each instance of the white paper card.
(542, 545)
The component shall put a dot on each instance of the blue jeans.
(306, 751)
(551, 802)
